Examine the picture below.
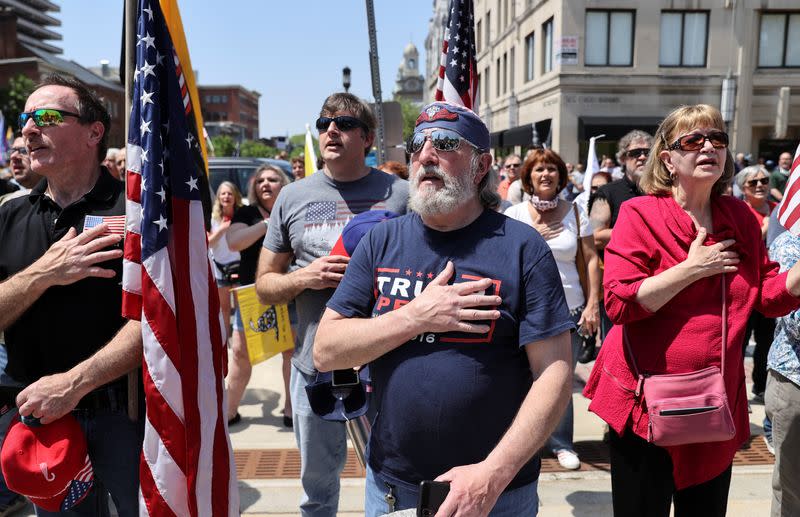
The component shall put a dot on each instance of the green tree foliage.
(410, 113)
(223, 145)
(13, 97)
(299, 144)
(254, 149)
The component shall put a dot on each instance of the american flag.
(116, 223)
(458, 74)
(789, 214)
(187, 466)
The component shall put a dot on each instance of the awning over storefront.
(615, 127)
(524, 135)
(496, 139)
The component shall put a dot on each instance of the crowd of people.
(471, 303)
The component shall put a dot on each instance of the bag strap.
(577, 224)
(722, 350)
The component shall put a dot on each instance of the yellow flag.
(267, 329)
(311, 156)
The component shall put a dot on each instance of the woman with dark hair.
(246, 236)
(225, 261)
(568, 232)
(679, 259)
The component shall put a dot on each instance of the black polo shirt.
(67, 324)
(616, 193)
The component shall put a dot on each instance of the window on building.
(486, 90)
(779, 40)
(530, 45)
(547, 46)
(478, 36)
(511, 69)
(497, 83)
(505, 72)
(684, 38)
(499, 17)
(223, 98)
(609, 38)
(488, 28)
(506, 13)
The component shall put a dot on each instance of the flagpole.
(376, 81)
(130, 59)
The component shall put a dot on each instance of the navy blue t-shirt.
(446, 400)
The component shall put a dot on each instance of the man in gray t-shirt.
(305, 223)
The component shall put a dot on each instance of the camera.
(346, 377)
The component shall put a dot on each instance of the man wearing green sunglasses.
(60, 296)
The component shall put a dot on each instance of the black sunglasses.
(696, 141)
(21, 150)
(444, 140)
(753, 183)
(45, 117)
(343, 122)
(636, 153)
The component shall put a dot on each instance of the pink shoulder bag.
(687, 407)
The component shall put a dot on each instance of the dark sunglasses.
(636, 153)
(759, 181)
(343, 122)
(696, 141)
(45, 117)
(513, 165)
(444, 140)
(21, 150)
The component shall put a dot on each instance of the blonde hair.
(251, 191)
(216, 210)
(655, 177)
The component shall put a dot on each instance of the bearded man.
(457, 309)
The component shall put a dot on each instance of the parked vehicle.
(239, 170)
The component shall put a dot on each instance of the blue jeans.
(323, 452)
(563, 434)
(522, 501)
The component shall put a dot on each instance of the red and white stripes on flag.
(789, 211)
(458, 73)
(187, 465)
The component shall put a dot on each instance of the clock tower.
(409, 82)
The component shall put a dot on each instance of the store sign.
(567, 50)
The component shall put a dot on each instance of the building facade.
(561, 71)
(34, 22)
(230, 110)
(22, 54)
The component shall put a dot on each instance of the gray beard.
(428, 201)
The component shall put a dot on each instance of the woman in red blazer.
(663, 283)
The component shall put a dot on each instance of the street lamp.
(346, 78)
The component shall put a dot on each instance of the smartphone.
(431, 496)
(346, 377)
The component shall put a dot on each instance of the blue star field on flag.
(159, 127)
(458, 70)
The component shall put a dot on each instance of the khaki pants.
(782, 404)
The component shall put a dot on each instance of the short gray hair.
(748, 172)
(625, 141)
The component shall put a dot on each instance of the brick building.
(24, 50)
(230, 110)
